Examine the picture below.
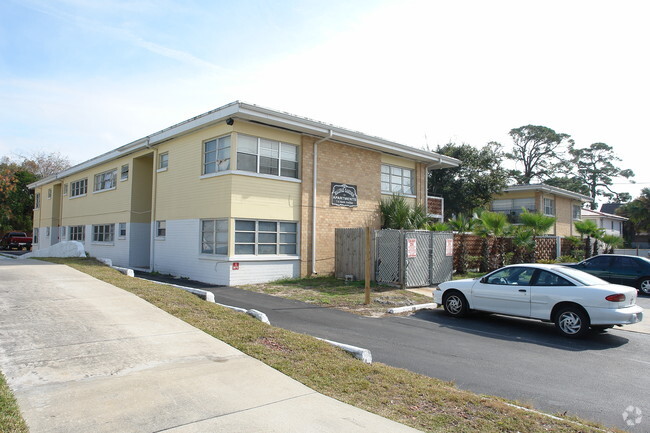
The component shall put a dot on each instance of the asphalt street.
(596, 378)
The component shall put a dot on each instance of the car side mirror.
(483, 280)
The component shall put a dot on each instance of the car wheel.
(644, 285)
(572, 322)
(455, 304)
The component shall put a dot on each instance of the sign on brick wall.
(343, 195)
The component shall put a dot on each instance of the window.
(37, 200)
(216, 155)
(163, 161)
(546, 278)
(396, 180)
(104, 233)
(549, 206)
(259, 155)
(512, 276)
(105, 181)
(124, 172)
(161, 229)
(265, 237)
(577, 212)
(122, 230)
(65, 189)
(79, 187)
(49, 193)
(77, 233)
(35, 236)
(598, 262)
(214, 237)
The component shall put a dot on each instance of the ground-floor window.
(104, 233)
(77, 233)
(35, 236)
(265, 237)
(214, 237)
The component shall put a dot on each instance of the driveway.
(596, 378)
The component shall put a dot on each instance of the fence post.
(367, 251)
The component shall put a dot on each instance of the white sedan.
(573, 299)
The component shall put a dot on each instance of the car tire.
(572, 321)
(644, 285)
(455, 304)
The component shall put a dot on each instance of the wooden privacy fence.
(350, 253)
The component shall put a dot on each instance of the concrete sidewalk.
(84, 356)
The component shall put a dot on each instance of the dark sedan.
(618, 269)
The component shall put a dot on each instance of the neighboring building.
(564, 205)
(239, 194)
(612, 224)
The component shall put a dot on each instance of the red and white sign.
(235, 266)
(411, 248)
(449, 250)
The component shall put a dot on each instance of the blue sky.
(82, 77)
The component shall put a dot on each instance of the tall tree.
(594, 167)
(474, 182)
(538, 224)
(44, 164)
(538, 150)
(570, 183)
(638, 212)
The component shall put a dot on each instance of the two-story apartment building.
(239, 194)
(564, 205)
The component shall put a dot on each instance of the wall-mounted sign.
(411, 248)
(344, 195)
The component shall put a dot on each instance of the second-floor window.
(124, 172)
(163, 161)
(105, 180)
(397, 180)
(78, 187)
(216, 155)
(577, 213)
(259, 155)
(549, 206)
(37, 200)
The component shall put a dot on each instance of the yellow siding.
(395, 160)
(266, 132)
(254, 197)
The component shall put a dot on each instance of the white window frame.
(121, 231)
(124, 172)
(282, 149)
(214, 237)
(392, 180)
(260, 232)
(222, 147)
(65, 189)
(577, 212)
(161, 229)
(79, 188)
(37, 200)
(77, 233)
(163, 161)
(49, 193)
(35, 235)
(103, 233)
(105, 181)
(549, 204)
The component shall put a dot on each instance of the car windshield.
(583, 277)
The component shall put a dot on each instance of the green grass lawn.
(11, 421)
(422, 402)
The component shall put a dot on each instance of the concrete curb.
(430, 306)
(358, 352)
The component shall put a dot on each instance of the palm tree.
(538, 225)
(523, 242)
(481, 231)
(439, 227)
(611, 242)
(396, 213)
(587, 229)
(462, 225)
(495, 224)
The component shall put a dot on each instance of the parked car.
(618, 269)
(17, 240)
(572, 299)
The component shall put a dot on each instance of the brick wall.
(342, 164)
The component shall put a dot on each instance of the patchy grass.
(335, 293)
(468, 275)
(424, 403)
(11, 421)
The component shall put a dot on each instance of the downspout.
(313, 202)
(154, 194)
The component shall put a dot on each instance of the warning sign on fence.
(411, 248)
(449, 250)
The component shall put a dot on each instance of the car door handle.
(522, 290)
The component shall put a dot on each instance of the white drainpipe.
(313, 202)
